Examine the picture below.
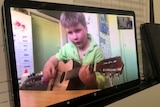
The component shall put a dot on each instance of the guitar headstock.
(110, 66)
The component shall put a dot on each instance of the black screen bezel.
(63, 7)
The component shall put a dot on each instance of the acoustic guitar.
(67, 73)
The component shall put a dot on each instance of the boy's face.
(77, 35)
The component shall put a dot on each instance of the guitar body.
(66, 77)
(60, 83)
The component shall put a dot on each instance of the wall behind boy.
(141, 8)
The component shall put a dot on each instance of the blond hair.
(72, 19)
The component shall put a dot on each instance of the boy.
(82, 49)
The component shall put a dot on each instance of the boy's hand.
(49, 70)
(88, 78)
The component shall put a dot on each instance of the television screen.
(64, 49)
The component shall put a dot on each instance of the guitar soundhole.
(62, 77)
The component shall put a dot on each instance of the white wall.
(156, 11)
(139, 6)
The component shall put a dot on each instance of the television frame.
(83, 100)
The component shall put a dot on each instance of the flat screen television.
(33, 33)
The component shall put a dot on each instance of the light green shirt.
(94, 54)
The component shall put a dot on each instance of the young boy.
(82, 49)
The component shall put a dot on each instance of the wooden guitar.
(69, 71)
